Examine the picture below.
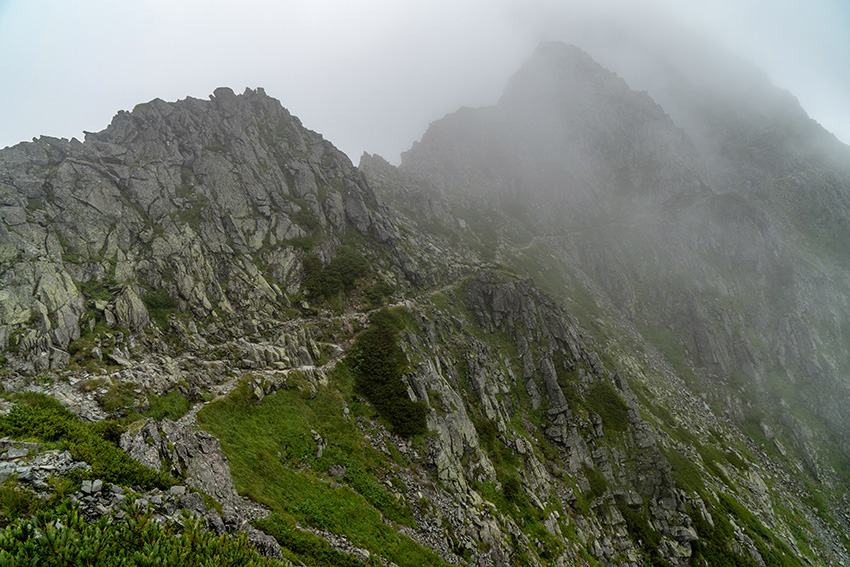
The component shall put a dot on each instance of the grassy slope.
(272, 456)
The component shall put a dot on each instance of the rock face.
(129, 311)
(186, 453)
(556, 365)
(209, 203)
(624, 354)
(711, 256)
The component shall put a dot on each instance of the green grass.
(62, 536)
(716, 542)
(665, 340)
(95, 289)
(687, 476)
(711, 456)
(271, 452)
(713, 548)
(301, 547)
(118, 397)
(604, 400)
(172, 406)
(40, 418)
(815, 498)
(773, 550)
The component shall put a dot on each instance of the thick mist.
(372, 75)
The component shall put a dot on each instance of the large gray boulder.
(129, 310)
(195, 456)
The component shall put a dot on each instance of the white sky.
(367, 74)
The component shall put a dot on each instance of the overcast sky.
(368, 75)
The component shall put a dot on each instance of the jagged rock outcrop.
(567, 134)
(194, 456)
(492, 401)
(207, 203)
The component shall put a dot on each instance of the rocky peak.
(208, 205)
(568, 136)
(563, 74)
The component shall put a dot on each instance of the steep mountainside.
(753, 291)
(559, 334)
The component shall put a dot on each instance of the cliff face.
(205, 202)
(731, 247)
(607, 348)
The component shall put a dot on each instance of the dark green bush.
(511, 489)
(604, 400)
(598, 484)
(488, 433)
(109, 430)
(94, 289)
(138, 540)
(377, 293)
(338, 276)
(159, 305)
(42, 418)
(378, 362)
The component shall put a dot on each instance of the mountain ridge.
(220, 253)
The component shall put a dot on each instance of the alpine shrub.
(378, 363)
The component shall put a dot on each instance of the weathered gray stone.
(16, 453)
(194, 455)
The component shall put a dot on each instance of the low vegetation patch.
(16, 503)
(687, 476)
(40, 418)
(665, 340)
(598, 484)
(171, 406)
(604, 400)
(272, 453)
(118, 397)
(377, 362)
(160, 306)
(641, 532)
(302, 547)
(61, 536)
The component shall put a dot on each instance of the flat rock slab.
(7, 443)
(16, 453)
